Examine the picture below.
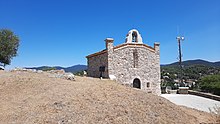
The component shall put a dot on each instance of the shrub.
(211, 84)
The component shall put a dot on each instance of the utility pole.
(179, 39)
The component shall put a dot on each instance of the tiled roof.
(121, 46)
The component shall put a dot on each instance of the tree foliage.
(211, 84)
(9, 44)
(190, 72)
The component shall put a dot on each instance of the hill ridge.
(196, 62)
(74, 68)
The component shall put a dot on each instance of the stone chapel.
(132, 63)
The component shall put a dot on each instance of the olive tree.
(9, 43)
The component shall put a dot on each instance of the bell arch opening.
(134, 36)
(137, 83)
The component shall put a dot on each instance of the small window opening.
(135, 58)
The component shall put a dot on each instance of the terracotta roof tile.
(120, 46)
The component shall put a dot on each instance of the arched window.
(134, 36)
(137, 83)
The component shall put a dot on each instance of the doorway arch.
(137, 83)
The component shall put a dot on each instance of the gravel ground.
(192, 101)
(27, 98)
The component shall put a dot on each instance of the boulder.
(69, 76)
(57, 71)
(112, 77)
(39, 71)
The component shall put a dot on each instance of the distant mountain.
(73, 69)
(76, 68)
(217, 64)
(196, 62)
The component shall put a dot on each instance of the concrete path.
(192, 101)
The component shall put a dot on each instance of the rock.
(57, 71)
(112, 77)
(52, 73)
(32, 70)
(19, 69)
(84, 73)
(69, 76)
(39, 71)
(2, 68)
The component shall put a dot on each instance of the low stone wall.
(206, 95)
(171, 91)
(52, 73)
(183, 90)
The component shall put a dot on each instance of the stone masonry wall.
(95, 62)
(147, 70)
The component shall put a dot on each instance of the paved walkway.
(192, 101)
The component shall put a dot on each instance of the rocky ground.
(27, 97)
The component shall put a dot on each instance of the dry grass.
(216, 113)
(36, 98)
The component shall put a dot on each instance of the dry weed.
(216, 113)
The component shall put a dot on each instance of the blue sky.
(63, 32)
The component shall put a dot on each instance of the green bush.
(211, 84)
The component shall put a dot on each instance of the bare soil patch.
(36, 98)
